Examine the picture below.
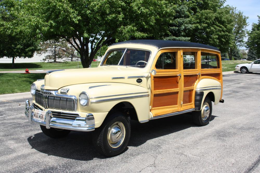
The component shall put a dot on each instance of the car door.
(166, 83)
(256, 66)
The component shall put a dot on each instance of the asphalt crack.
(253, 166)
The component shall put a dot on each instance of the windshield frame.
(125, 50)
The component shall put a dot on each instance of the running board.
(172, 114)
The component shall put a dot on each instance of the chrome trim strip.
(131, 77)
(119, 98)
(189, 48)
(172, 114)
(209, 88)
(118, 95)
(40, 79)
(118, 77)
(96, 86)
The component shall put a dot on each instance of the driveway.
(230, 143)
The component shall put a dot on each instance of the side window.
(166, 60)
(209, 60)
(189, 60)
(257, 62)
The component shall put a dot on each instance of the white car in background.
(253, 67)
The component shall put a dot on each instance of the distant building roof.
(168, 43)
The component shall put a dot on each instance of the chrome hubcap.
(205, 112)
(116, 134)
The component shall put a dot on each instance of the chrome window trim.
(199, 48)
(148, 50)
(172, 114)
(119, 98)
(118, 95)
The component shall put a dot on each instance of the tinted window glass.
(166, 60)
(113, 57)
(209, 60)
(189, 60)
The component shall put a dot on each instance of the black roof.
(168, 43)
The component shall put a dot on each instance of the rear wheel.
(203, 117)
(113, 136)
(244, 70)
(54, 133)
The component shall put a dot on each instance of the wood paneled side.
(161, 83)
(215, 75)
(190, 80)
(166, 99)
(187, 96)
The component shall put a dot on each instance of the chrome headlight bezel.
(33, 89)
(83, 99)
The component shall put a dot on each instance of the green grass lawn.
(15, 83)
(43, 65)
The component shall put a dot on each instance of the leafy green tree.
(90, 24)
(56, 49)
(212, 23)
(253, 42)
(16, 40)
(239, 31)
(202, 21)
(252, 54)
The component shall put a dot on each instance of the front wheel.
(203, 117)
(54, 133)
(113, 136)
(244, 70)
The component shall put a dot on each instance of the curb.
(15, 96)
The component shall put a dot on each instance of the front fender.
(104, 96)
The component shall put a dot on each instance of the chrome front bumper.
(84, 124)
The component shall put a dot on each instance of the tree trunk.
(13, 62)
(54, 56)
(230, 52)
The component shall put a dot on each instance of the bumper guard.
(84, 124)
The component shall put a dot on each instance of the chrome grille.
(64, 115)
(52, 100)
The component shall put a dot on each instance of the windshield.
(127, 57)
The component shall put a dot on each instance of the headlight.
(83, 99)
(33, 89)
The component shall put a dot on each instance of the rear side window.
(166, 60)
(209, 60)
(189, 60)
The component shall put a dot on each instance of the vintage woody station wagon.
(138, 80)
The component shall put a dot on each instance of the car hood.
(58, 79)
(244, 65)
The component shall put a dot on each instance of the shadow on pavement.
(78, 145)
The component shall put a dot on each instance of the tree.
(253, 42)
(239, 31)
(252, 55)
(16, 40)
(90, 24)
(212, 23)
(202, 21)
(57, 49)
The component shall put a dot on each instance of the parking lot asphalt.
(230, 143)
